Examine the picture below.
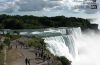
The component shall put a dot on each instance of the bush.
(36, 42)
(7, 41)
(1, 47)
(64, 60)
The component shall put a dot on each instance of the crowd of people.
(41, 54)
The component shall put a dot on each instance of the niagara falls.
(49, 32)
(80, 48)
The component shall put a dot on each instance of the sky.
(68, 8)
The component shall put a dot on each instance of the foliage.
(14, 37)
(31, 22)
(36, 42)
(7, 41)
(64, 60)
(16, 32)
(1, 47)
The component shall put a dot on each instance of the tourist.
(26, 61)
(16, 46)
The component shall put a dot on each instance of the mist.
(88, 45)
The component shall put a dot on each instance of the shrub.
(64, 60)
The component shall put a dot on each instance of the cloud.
(10, 6)
(36, 5)
(7, 7)
(31, 5)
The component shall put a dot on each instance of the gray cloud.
(36, 5)
(39, 5)
(30, 5)
(7, 7)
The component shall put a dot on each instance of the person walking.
(16, 46)
(26, 61)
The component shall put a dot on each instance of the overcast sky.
(68, 8)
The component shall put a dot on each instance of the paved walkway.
(26, 52)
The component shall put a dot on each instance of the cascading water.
(64, 45)
(81, 49)
(88, 48)
(57, 46)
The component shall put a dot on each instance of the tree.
(16, 32)
(31, 22)
(64, 60)
(7, 41)
(1, 47)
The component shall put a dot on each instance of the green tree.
(7, 41)
(16, 32)
(1, 47)
(31, 22)
(64, 60)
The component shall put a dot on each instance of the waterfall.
(64, 45)
(57, 46)
(80, 48)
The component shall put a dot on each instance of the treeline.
(31, 22)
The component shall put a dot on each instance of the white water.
(89, 50)
(86, 47)
(65, 44)
(57, 46)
